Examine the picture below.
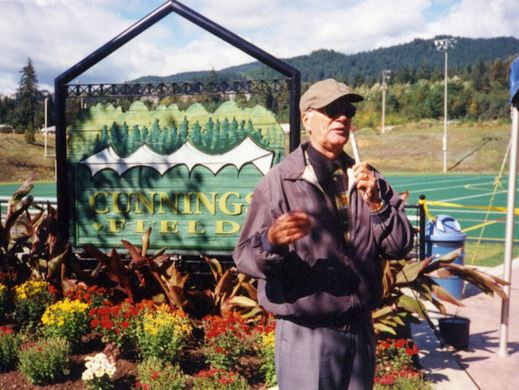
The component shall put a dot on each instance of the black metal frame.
(177, 88)
(61, 88)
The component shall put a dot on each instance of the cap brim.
(350, 97)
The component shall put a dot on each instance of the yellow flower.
(268, 340)
(61, 311)
(163, 317)
(30, 288)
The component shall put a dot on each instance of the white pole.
(445, 118)
(383, 108)
(46, 126)
(509, 235)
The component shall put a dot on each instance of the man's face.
(329, 127)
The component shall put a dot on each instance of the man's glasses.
(336, 109)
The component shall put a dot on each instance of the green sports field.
(478, 202)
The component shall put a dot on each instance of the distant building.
(48, 130)
(4, 128)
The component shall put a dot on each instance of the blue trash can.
(442, 236)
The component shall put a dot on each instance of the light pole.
(386, 75)
(444, 45)
(46, 126)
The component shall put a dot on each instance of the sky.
(57, 34)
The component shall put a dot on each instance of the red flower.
(106, 323)
(412, 351)
(94, 323)
(155, 375)
(53, 290)
(400, 343)
(125, 324)
(92, 312)
(5, 330)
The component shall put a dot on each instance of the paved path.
(479, 366)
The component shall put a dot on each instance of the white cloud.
(56, 34)
(479, 18)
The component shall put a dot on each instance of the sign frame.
(64, 90)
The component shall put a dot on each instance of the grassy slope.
(410, 149)
(417, 147)
(19, 159)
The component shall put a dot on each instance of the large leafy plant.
(28, 238)
(409, 285)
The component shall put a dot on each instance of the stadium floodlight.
(444, 45)
(386, 75)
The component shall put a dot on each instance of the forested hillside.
(416, 59)
(477, 87)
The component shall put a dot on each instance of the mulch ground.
(191, 361)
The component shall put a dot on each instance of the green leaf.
(379, 327)
(412, 305)
(243, 301)
(410, 272)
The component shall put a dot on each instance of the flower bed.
(140, 322)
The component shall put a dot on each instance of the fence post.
(421, 207)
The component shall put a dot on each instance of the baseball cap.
(324, 92)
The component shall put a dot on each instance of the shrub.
(156, 374)
(266, 352)
(99, 372)
(215, 379)
(45, 361)
(116, 324)
(4, 301)
(161, 333)
(66, 318)
(395, 368)
(226, 340)
(8, 349)
(93, 295)
(30, 300)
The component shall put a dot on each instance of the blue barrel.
(442, 236)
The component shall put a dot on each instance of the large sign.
(188, 175)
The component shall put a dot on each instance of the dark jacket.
(324, 272)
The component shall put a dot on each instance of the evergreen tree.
(184, 125)
(195, 135)
(27, 101)
(135, 138)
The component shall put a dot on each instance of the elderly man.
(317, 227)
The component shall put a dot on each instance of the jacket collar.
(296, 162)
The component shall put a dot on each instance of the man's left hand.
(367, 185)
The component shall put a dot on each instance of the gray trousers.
(323, 358)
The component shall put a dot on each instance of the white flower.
(98, 366)
(87, 375)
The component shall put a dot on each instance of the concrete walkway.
(478, 367)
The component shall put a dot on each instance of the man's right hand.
(289, 227)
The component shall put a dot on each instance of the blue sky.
(56, 34)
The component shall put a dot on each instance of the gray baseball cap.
(324, 92)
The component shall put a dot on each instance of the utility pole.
(46, 125)
(444, 45)
(386, 75)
